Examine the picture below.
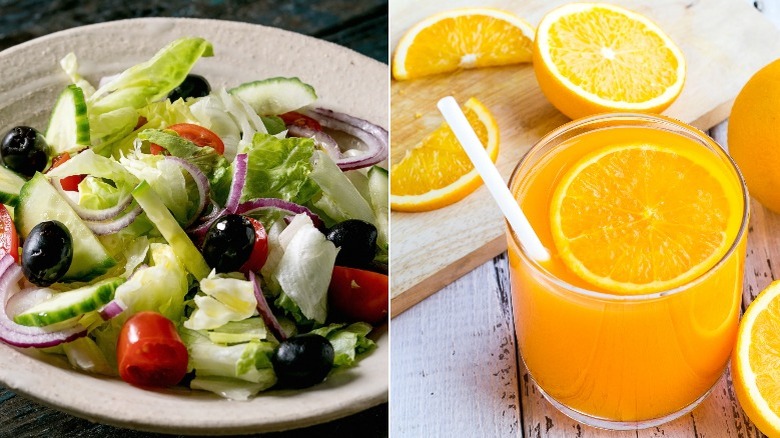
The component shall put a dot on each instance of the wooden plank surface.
(462, 236)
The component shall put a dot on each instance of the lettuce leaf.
(223, 299)
(280, 168)
(348, 342)
(304, 270)
(113, 108)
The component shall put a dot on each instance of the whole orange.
(754, 135)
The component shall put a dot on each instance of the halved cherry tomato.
(295, 118)
(150, 352)
(9, 240)
(359, 295)
(69, 183)
(259, 251)
(194, 133)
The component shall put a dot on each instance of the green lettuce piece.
(340, 199)
(273, 124)
(214, 166)
(305, 268)
(232, 389)
(348, 342)
(71, 67)
(160, 287)
(223, 299)
(175, 187)
(84, 354)
(249, 361)
(237, 332)
(280, 168)
(113, 108)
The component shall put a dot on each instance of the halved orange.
(755, 364)
(639, 218)
(462, 38)
(437, 171)
(591, 58)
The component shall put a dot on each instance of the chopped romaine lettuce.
(304, 271)
(71, 67)
(214, 166)
(348, 342)
(280, 168)
(113, 108)
(249, 361)
(223, 299)
(236, 332)
(340, 199)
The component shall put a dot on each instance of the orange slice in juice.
(755, 364)
(639, 218)
(437, 172)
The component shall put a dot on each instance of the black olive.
(192, 86)
(302, 361)
(24, 150)
(47, 253)
(228, 243)
(356, 240)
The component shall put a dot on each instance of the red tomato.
(293, 118)
(196, 134)
(359, 295)
(259, 251)
(69, 183)
(9, 240)
(150, 352)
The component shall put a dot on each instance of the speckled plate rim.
(344, 80)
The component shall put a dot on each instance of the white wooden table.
(455, 371)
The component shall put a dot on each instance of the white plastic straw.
(506, 202)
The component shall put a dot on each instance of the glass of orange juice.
(631, 322)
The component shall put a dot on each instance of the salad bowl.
(344, 80)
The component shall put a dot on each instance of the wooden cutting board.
(430, 250)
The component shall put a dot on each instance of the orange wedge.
(437, 171)
(755, 364)
(591, 58)
(462, 38)
(617, 228)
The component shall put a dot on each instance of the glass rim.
(690, 131)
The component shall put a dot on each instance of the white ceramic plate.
(343, 79)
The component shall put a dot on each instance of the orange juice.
(605, 355)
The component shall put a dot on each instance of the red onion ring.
(265, 310)
(23, 336)
(237, 186)
(260, 203)
(234, 196)
(321, 139)
(374, 137)
(91, 214)
(113, 226)
(201, 182)
(112, 309)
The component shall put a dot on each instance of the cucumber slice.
(39, 201)
(10, 186)
(68, 129)
(377, 190)
(275, 95)
(182, 246)
(70, 304)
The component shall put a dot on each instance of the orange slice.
(591, 58)
(437, 171)
(616, 227)
(755, 364)
(462, 38)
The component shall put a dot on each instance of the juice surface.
(611, 358)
